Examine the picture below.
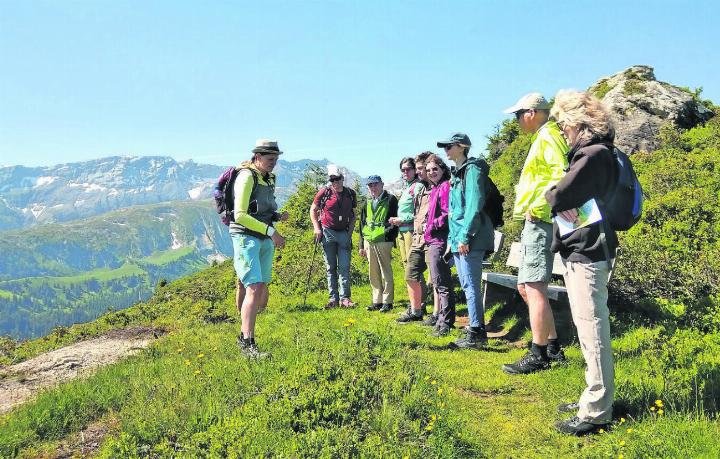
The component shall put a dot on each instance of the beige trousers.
(587, 291)
(404, 243)
(381, 276)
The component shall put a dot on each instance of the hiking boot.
(375, 307)
(440, 331)
(332, 304)
(558, 356)
(408, 317)
(250, 350)
(430, 321)
(574, 426)
(347, 303)
(476, 338)
(386, 307)
(529, 363)
(571, 407)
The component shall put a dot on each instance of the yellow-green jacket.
(545, 165)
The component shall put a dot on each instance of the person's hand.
(569, 215)
(278, 240)
(463, 249)
(530, 217)
(395, 221)
(318, 235)
(362, 253)
(283, 217)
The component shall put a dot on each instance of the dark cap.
(373, 179)
(458, 138)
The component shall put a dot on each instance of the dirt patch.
(22, 381)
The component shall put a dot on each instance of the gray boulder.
(640, 105)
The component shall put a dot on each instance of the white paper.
(588, 214)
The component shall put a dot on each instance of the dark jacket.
(592, 172)
(390, 231)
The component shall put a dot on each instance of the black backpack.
(623, 205)
(494, 199)
(223, 193)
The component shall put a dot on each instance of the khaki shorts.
(416, 265)
(536, 259)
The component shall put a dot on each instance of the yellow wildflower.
(629, 430)
(200, 355)
(652, 408)
(622, 420)
(187, 362)
(427, 378)
(346, 324)
(433, 417)
(622, 442)
(659, 403)
(429, 427)
(351, 321)
(601, 431)
(660, 411)
(197, 372)
(621, 456)
(433, 382)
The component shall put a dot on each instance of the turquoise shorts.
(536, 259)
(253, 258)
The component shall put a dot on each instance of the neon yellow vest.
(374, 229)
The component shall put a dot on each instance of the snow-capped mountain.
(34, 195)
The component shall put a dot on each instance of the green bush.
(673, 254)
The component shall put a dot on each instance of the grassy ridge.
(350, 383)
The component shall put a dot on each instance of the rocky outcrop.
(641, 105)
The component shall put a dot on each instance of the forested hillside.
(62, 274)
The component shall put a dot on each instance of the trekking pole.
(307, 283)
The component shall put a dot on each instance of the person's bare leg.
(239, 296)
(542, 322)
(253, 297)
(415, 294)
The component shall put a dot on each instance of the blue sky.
(361, 83)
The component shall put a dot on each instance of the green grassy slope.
(353, 383)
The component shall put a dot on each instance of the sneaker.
(574, 426)
(440, 331)
(529, 363)
(332, 304)
(430, 321)
(347, 303)
(375, 307)
(386, 307)
(476, 338)
(571, 407)
(558, 356)
(408, 317)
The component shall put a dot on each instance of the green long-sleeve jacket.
(468, 223)
(544, 166)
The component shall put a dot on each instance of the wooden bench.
(492, 280)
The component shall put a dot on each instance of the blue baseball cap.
(458, 138)
(373, 179)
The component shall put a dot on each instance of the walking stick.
(312, 263)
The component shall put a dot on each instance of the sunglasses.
(520, 113)
(432, 169)
(447, 147)
(335, 179)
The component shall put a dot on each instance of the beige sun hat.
(267, 147)
(532, 101)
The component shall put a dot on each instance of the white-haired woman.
(592, 173)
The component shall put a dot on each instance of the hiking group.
(446, 216)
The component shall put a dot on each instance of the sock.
(539, 351)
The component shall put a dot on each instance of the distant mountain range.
(36, 195)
